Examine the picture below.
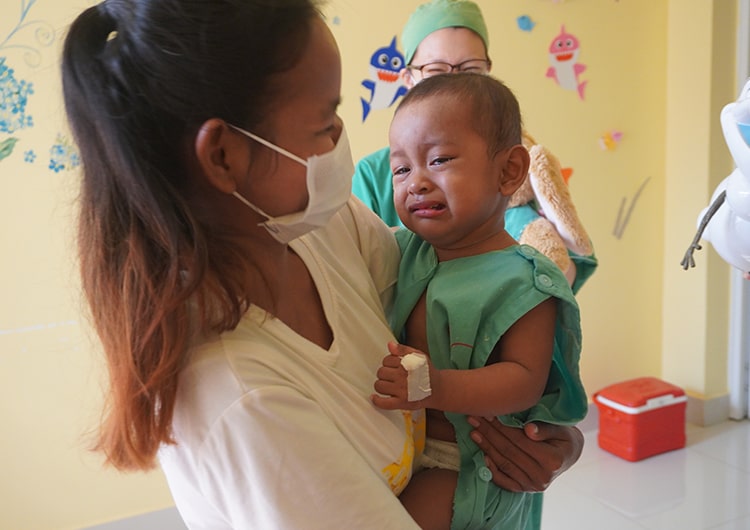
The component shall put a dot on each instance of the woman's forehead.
(315, 81)
(451, 45)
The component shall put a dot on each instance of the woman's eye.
(326, 131)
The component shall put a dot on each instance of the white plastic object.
(728, 230)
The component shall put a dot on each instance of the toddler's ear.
(514, 170)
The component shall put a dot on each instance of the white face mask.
(329, 185)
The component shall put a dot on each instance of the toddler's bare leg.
(429, 498)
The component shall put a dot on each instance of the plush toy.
(541, 214)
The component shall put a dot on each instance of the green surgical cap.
(439, 14)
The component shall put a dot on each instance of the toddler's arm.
(513, 381)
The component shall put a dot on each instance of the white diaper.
(440, 454)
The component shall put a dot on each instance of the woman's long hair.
(139, 79)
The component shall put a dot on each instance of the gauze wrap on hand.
(418, 378)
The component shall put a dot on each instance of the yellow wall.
(657, 70)
(695, 316)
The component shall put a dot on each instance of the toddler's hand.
(393, 381)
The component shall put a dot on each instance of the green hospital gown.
(471, 303)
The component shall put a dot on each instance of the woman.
(237, 288)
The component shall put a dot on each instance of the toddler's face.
(446, 187)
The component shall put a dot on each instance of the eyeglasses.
(476, 66)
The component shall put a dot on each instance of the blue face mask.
(329, 186)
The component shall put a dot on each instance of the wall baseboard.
(707, 411)
(166, 519)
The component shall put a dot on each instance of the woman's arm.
(527, 459)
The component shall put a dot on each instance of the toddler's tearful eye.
(441, 160)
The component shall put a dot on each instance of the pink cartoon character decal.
(565, 69)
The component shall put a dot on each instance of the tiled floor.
(704, 486)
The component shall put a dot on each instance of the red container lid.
(641, 394)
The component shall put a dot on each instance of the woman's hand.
(527, 459)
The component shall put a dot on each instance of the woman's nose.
(338, 126)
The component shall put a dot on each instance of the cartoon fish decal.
(609, 140)
(565, 68)
(566, 173)
(384, 84)
(525, 23)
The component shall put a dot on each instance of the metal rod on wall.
(739, 309)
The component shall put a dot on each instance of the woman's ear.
(407, 78)
(514, 170)
(220, 154)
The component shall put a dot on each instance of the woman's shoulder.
(357, 227)
(208, 383)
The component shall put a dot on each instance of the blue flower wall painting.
(20, 53)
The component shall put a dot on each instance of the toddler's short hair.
(496, 114)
